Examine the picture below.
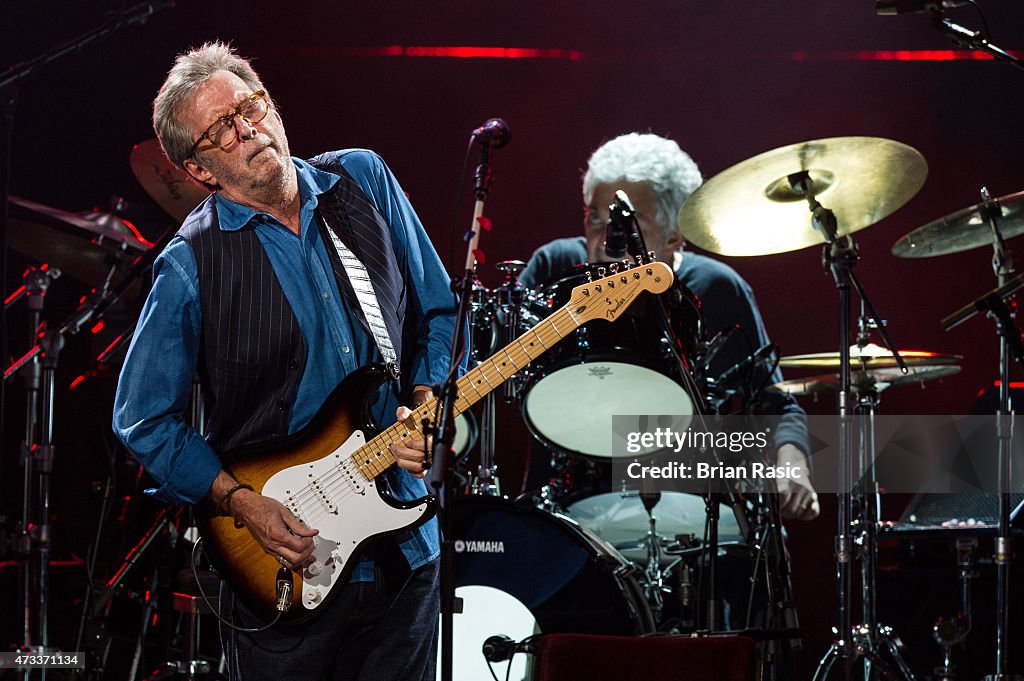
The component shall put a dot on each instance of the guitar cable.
(284, 587)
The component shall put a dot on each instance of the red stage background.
(727, 80)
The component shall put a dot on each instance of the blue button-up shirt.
(155, 382)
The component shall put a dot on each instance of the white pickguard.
(330, 495)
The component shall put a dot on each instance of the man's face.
(641, 195)
(249, 168)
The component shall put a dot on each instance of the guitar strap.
(357, 275)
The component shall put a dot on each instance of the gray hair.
(644, 157)
(191, 69)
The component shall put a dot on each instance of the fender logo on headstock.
(613, 311)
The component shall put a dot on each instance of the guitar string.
(361, 462)
(328, 482)
(368, 456)
(310, 501)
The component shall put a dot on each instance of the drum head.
(571, 408)
(620, 519)
(522, 571)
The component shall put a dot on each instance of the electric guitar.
(327, 474)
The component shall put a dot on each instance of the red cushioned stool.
(585, 657)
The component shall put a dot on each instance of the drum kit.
(514, 566)
(582, 554)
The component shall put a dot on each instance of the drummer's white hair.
(191, 69)
(645, 157)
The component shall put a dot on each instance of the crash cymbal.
(871, 356)
(82, 245)
(865, 381)
(166, 184)
(962, 230)
(753, 209)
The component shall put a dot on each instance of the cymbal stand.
(839, 258)
(33, 537)
(1009, 344)
(869, 635)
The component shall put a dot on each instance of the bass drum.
(610, 369)
(522, 571)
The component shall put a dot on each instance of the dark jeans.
(385, 630)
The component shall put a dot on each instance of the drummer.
(658, 177)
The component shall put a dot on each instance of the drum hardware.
(770, 204)
(33, 535)
(38, 449)
(952, 631)
(497, 310)
(989, 222)
(654, 575)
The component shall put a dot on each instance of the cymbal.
(871, 356)
(865, 381)
(83, 245)
(753, 209)
(165, 183)
(962, 230)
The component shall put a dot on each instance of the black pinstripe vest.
(252, 351)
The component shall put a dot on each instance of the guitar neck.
(375, 457)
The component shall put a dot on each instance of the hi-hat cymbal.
(83, 245)
(962, 230)
(753, 209)
(865, 381)
(871, 356)
(165, 183)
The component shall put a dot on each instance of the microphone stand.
(973, 40)
(442, 470)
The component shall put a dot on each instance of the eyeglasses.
(224, 132)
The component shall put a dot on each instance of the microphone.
(888, 8)
(494, 131)
(500, 647)
(733, 372)
(716, 343)
(619, 215)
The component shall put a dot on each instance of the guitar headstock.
(608, 296)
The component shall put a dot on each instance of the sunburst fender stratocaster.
(327, 474)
